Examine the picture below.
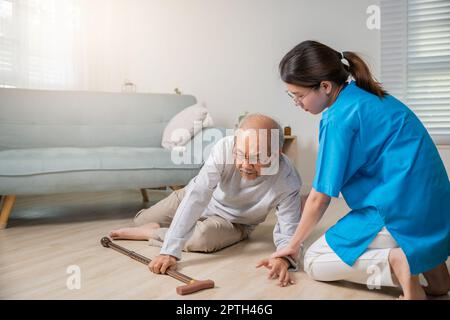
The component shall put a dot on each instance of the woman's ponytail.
(311, 62)
(362, 75)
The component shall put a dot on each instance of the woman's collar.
(349, 83)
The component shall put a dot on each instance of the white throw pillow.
(184, 125)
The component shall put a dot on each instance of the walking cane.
(191, 286)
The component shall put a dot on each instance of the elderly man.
(243, 179)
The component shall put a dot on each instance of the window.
(6, 44)
(37, 43)
(415, 59)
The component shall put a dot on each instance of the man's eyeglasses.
(240, 157)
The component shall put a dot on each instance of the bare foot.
(143, 232)
(412, 290)
(438, 280)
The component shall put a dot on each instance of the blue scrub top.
(377, 153)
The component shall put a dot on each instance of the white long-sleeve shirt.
(219, 189)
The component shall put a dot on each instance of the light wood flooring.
(47, 234)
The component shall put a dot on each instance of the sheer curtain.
(41, 45)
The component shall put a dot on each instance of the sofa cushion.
(93, 181)
(19, 162)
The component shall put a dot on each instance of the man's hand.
(278, 268)
(161, 263)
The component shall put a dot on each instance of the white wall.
(224, 52)
(444, 151)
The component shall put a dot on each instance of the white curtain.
(41, 45)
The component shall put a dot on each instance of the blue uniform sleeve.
(334, 159)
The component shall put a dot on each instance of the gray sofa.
(66, 141)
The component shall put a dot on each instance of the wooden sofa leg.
(144, 195)
(8, 203)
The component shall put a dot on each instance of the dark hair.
(311, 62)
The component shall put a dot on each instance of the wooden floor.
(48, 234)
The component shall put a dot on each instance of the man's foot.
(143, 232)
(412, 290)
(438, 280)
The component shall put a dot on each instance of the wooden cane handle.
(194, 286)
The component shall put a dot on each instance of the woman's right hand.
(289, 250)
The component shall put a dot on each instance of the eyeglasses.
(298, 100)
(240, 157)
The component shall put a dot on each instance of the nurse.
(378, 155)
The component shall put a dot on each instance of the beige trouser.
(210, 234)
(372, 267)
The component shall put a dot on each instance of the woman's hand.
(285, 252)
(315, 206)
(278, 268)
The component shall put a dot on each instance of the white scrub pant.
(372, 268)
